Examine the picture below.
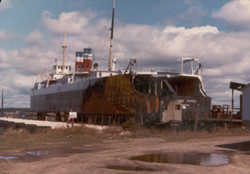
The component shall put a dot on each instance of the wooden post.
(196, 121)
(141, 122)
(231, 114)
(95, 120)
(2, 105)
(102, 120)
(231, 117)
(109, 121)
(225, 125)
(68, 121)
(72, 122)
(197, 115)
(232, 100)
(118, 120)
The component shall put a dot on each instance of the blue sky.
(25, 15)
(155, 32)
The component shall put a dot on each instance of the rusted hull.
(124, 95)
(108, 95)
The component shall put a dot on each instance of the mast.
(111, 39)
(64, 46)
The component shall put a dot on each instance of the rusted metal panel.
(116, 95)
(110, 95)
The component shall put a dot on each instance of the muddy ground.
(96, 157)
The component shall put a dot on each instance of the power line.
(17, 99)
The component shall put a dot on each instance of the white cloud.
(236, 13)
(5, 4)
(34, 37)
(192, 31)
(73, 21)
(4, 36)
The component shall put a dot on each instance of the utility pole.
(2, 104)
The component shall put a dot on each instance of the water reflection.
(54, 152)
(8, 157)
(203, 159)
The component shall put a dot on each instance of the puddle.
(37, 153)
(203, 159)
(243, 146)
(8, 157)
(129, 168)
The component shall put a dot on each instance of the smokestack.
(87, 61)
(79, 61)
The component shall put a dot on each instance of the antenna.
(111, 38)
(64, 46)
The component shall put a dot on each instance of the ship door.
(173, 112)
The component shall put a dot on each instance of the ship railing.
(189, 72)
(159, 69)
(105, 68)
(82, 70)
(101, 68)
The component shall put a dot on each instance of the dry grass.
(23, 138)
(174, 135)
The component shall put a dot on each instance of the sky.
(155, 32)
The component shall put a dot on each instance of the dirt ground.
(97, 157)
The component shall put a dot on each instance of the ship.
(118, 95)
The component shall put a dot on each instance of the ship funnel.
(87, 61)
(79, 61)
